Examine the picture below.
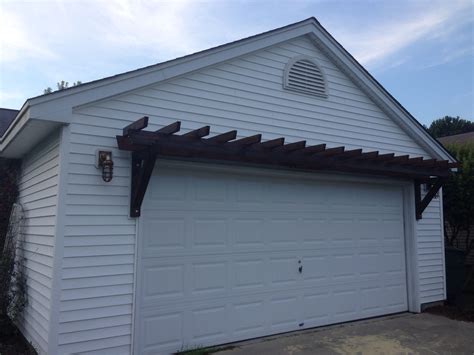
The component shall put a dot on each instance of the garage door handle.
(300, 269)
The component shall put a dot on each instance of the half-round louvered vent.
(304, 75)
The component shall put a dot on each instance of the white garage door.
(228, 256)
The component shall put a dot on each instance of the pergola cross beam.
(196, 145)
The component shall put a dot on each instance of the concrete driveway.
(399, 334)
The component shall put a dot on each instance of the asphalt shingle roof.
(457, 138)
(6, 117)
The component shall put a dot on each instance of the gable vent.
(304, 75)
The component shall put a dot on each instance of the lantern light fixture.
(104, 161)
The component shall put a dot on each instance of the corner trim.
(411, 259)
(53, 334)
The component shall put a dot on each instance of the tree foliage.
(448, 126)
(61, 85)
(458, 197)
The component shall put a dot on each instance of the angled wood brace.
(421, 203)
(142, 168)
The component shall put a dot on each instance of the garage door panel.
(209, 232)
(248, 317)
(345, 302)
(284, 312)
(313, 231)
(316, 305)
(220, 252)
(248, 273)
(207, 323)
(279, 231)
(316, 269)
(164, 233)
(170, 334)
(162, 281)
(247, 232)
(161, 191)
(283, 270)
(343, 265)
(209, 277)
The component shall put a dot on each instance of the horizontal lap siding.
(38, 189)
(244, 94)
(431, 270)
(99, 244)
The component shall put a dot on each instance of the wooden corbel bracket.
(421, 203)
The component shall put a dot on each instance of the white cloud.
(374, 43)
(16, 42)
(42, 42)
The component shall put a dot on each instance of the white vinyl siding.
(431, 268)
(244, 94)
(38, 190)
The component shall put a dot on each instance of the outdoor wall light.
(104, 161)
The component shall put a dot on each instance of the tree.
(458, 197)
(448, 126)
(61, 85)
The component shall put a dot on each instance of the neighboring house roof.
(457, 138)
(57, 107)
(7, 116)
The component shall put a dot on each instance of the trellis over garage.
(277, 186)
(147, 146)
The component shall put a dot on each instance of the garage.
(263, 186)
(231, 253)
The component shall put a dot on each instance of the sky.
(421, 51)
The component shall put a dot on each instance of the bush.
(458, 196)
(12, 276)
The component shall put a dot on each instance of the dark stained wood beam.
(198, 133)
(239, 151)
(146, 146)
(350, 154)
(142, 168)
(414, 161)
(312, 149)
(271, 144)
(222, 138)
(368, 155)
(385, 157)
(135, 126)
(421, 204)
(291, 147)
(170, 129)
(330, 152)
(417, 188)
(400, 158)
(430, 162)
(442, 163)
(243, 142)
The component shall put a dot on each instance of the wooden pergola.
(146, 146)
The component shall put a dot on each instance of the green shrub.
(458, 197)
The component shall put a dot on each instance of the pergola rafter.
(146, 146)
